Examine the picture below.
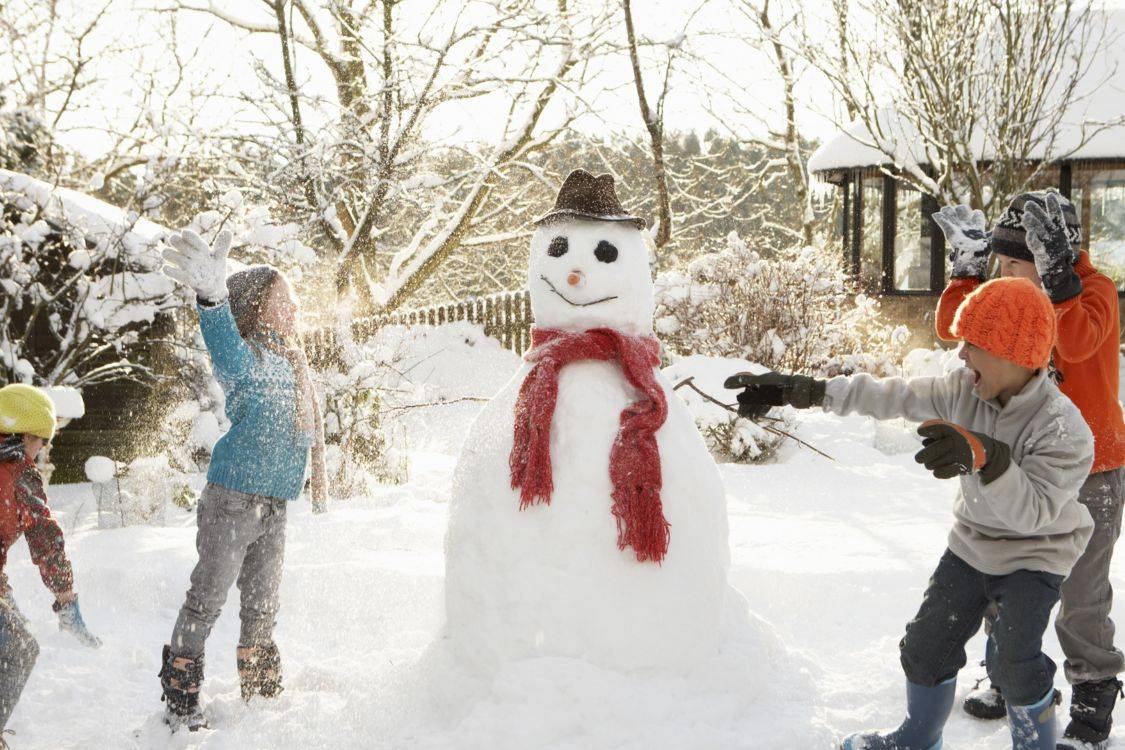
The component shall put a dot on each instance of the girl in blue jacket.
(257, 468)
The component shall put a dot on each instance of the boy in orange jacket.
(1038, 237)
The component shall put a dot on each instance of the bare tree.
(653, 118)
(967, 101)
(387, 215)
(789, 138)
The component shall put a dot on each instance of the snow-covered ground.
(833, 555)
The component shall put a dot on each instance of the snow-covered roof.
(98, 220)
(1100, 99)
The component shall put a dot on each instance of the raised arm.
(966, 234)
(1086, 321)
(202, 268)
(230, 354)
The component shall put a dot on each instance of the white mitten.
(195, 265)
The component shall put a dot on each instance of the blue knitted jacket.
(265, 452)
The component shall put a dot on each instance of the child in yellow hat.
(27, 424)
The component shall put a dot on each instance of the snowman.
(588, 519)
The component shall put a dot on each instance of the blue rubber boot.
(927, 709)
(1034, 727)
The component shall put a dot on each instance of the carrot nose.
(575, 278)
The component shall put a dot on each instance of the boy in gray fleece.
(1022, 451)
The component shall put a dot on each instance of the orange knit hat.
(1011, 318)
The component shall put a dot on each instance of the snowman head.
(589, 265)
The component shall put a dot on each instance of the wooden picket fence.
(505, 316)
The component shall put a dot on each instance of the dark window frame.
(851, 181)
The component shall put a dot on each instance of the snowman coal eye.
(558, 247)
(605, 252)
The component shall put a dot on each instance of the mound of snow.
(448, 373)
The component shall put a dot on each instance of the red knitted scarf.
(634, 460)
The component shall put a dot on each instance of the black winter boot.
(259, 671)
(181, 679)
(988, 703)
(985, 703)
(1091, 714)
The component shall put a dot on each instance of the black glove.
(1050, 246)
(774, 389)
(949, 450)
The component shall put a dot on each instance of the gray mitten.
(1049, 244)
(969, 241)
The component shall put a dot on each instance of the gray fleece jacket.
(1028, 518)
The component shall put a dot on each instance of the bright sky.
(226, 60)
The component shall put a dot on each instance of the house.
(891, 244)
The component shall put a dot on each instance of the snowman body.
(550, 580)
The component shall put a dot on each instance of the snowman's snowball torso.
(549, 580)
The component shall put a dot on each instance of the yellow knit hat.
(26, 410)
(1011, 318)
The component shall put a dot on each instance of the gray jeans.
(1083, 625)
(18, 652)
(241, 538)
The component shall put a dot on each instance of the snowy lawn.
(834, 555)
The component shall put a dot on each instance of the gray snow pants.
(1083, 625)
(241, 538)
(18, 652)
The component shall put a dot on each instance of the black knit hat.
(1008, 235)
(585, 196)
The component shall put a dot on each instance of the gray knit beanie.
(1008, 236)
(248, 289)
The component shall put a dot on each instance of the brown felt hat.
(585, 196)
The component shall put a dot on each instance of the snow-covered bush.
(361, 450)
(133, 494)
(730, 438)
(79, 282)
(798, 312)
(424, 382)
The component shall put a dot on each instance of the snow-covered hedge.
(797, 313)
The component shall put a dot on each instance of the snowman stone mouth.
(571, 303)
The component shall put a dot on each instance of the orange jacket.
(1086, 354)
(24, 511)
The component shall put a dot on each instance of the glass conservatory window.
(1099, 196)
(871, 236)
(912, 242)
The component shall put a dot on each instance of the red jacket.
(24, 511)
(1087, 354)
